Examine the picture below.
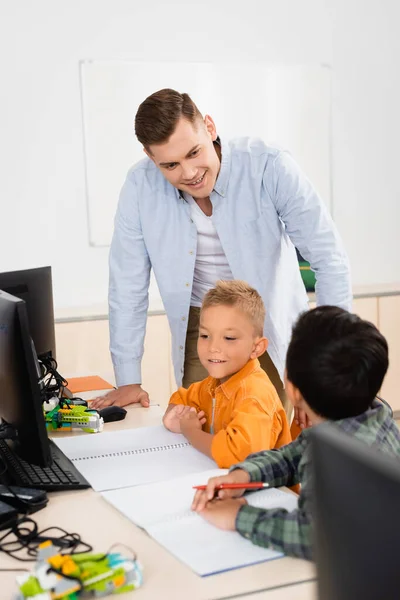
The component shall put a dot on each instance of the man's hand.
(124, 395)
(191, 420)
(172, 418)
(301, 418)
(201, 497)
(223, 513)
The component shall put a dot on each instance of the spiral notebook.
(163, 510)
(117, 459)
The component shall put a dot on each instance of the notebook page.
(205, 549)
(208, 550)
(164, 511)
(133, 457)
(272, 498)
(148, 504)
(107, 442)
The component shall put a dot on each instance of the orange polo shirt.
(245, 413)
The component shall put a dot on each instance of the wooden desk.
(165, 577)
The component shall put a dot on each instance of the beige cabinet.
(366, 308)
(83, 349)
(389, 325)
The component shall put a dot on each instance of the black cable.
(28, 538)
(27, 535)
(16, 528)
(53, 382)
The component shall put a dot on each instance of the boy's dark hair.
(337, 361)
(158, 115)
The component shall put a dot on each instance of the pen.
(235, 486)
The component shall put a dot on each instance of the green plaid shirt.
(291, 532)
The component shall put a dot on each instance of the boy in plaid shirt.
(335, 366)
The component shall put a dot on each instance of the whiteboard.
(288, 106)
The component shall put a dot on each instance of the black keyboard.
(61, 475)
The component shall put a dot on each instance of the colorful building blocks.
(64, 415)
(74, 576)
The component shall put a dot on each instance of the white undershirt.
(211, 263)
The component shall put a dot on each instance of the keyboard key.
(61, 475)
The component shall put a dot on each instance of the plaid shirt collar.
(377, 413)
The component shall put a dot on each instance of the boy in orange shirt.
(236, 410)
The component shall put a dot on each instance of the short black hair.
(337, 361)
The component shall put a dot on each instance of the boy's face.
(227, 341)
(188, 160)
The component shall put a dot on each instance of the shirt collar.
(230, 386)
(351, 425)
(224, 171)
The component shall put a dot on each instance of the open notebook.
(117, 459)
(163, 510)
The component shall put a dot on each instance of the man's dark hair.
(337, 361)
(158, 116)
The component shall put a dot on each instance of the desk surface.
(101, 525)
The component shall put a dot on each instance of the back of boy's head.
(241, 295)
(337, 361)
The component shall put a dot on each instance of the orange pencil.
(235, 486)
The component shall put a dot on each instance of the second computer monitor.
(34, 286)
(357, 531)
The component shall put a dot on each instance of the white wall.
(42, 181)
(288, 102)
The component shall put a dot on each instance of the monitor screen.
(357, 530)
(20, 398)
(35, 287)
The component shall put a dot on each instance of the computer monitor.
(35, 287)
(356, 518)
(20, 399)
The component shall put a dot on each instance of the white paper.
(131, 457)
(163, 510)
(143, 506)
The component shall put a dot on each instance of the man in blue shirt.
(199, 209)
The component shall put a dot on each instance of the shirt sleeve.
(276, 467)
(129, 267)
(312, 231)
(250, 430)
(187, 396)
(278, 529)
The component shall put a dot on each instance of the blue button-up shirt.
(263, 207)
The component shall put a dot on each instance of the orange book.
(89, 387)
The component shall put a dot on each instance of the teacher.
(198, 209)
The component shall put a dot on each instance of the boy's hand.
(301, 418)
(191, 420)
(171, 419)
(223, 513)
(201, 497)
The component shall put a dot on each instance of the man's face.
(189, 160)
(227, 341)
